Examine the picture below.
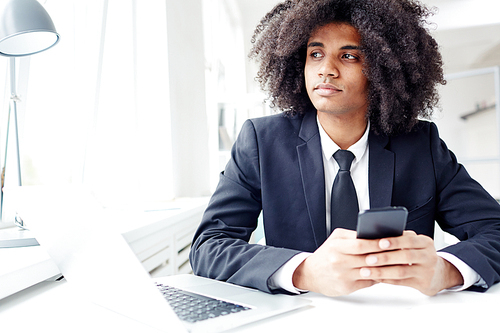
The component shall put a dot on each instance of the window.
(95, 108)
(129, 102)
(230, 102)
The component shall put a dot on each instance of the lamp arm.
(14, 99)
(12, 112)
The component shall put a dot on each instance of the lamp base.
(16, 237)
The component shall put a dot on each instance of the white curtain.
(96, 107)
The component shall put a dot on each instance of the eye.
(316, 55)
(349, 56)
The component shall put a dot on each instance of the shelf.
(478, 110)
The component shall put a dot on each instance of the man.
(356, 76)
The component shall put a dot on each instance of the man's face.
(333, 73)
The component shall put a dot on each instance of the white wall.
(475, 140)
(187, 98)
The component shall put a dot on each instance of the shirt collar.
(329, 147)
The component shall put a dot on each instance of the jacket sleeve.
(220, 248)
(467, 211)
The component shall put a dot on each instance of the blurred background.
(142, 100)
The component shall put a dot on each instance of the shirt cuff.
(282, 278)
(469, 275)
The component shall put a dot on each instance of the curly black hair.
(403, 64)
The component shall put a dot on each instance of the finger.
(344, 241)
(410, 282)
(355, 246)
(340, 233)
(360, 284)
(409, 240)
(409, 233)
(389, 273)
(397, 257)
(413, 283)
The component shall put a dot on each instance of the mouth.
(327, 89)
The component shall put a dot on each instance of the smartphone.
(382, 222)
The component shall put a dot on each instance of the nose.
(329, 68)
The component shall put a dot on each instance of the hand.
(334, 269)
(344, 264)
(411, 260)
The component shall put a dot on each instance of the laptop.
(82, 239)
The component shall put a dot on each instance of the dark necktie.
(344, 205)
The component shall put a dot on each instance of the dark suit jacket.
(277, 167)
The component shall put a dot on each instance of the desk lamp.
(25, 29)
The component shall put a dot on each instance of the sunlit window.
(95, 108)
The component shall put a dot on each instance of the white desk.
(24, 267)
(51, 307)
(385, 308)
(159, 234)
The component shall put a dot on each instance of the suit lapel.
(380, 171)
(313, 175)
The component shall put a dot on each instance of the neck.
(344, 131)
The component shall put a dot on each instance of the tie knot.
(344, 158)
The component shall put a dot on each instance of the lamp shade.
(25, 28)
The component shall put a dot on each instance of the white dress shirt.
(359, 173)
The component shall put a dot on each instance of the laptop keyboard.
(192, 307)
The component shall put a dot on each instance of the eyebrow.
(346, 47)
(314, 44)
(350, 47)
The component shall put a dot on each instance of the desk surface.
(385, 308)
(24, 267)
(381, 308)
